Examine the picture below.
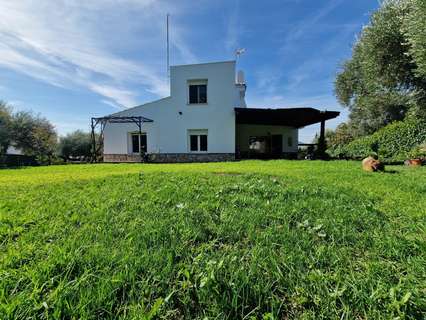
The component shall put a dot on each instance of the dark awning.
(291, 117)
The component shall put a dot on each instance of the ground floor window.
(139, 143)
(198, 140)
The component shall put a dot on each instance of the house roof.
(292, 117)
(126, 111)
(202, 63)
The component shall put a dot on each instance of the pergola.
(102, 121)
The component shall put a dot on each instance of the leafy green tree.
(5, 127)
(34, 135)
(77, 144)
(381, 83)
(415, 31)
(340, 136)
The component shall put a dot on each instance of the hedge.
(16, 160)
(391, 143)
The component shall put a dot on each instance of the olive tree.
(383, 80)
(5, 127)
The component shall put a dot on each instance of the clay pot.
(372, 165)
(414, 162)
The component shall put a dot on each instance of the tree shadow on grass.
(391, 171)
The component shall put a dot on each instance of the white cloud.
(122, 97)
(305, 25)
(270, 80)
(298, 87)
(70, 43)
(177, 41)
(112, 104)
(233, 27)
(70, 126)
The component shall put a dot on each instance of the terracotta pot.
(414, 162)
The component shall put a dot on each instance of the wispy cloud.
(71, 44)
(323, 63)
(179, 43)
(305, 25)
(121, 97)
(112, 104)
(70, 126)
(233, 27)
(309, 82)
(270, 80)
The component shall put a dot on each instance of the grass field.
(243, 240)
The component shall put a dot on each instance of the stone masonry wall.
(121, 158)
(172, 157)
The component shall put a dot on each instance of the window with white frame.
(197, 140)
(138, 142)
(290, 141)
(197, 91)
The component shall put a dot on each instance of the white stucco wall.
(168, 132)
(245, 131)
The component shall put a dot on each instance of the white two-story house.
(205, 118)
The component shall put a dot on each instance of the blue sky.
(69, 59)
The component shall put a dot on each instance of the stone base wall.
(172, 157)
(191, 157)
(121, 158)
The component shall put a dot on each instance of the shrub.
(76, 145)
(418, 152)
(391, 143)
(34, 135)
(5, 123)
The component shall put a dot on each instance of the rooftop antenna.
(238, 53)
(240, 74)
(168, 47)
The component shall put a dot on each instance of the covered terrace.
(270, 133)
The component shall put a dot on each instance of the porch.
(273, 133)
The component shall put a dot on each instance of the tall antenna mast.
(168, 47)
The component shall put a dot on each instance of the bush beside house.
(394, 142)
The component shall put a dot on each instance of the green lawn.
(242, 240)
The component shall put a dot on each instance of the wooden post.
(101, 137)
(92, 125)
(139, 139)
(321, 142)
